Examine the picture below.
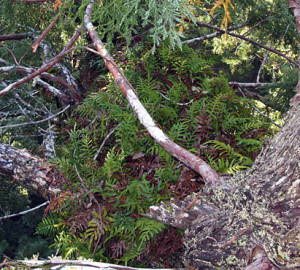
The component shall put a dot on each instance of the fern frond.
(48, 225)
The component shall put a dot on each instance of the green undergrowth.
(116, 170)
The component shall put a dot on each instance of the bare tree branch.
(249, 85)
(262, 65)
(41, 37)
(36, 122)
(25, 212)
(14, 36)
(212, 35)
(261, 113)
(78, 264)
(210, 176)
(45, 67)
(104, 141)
(25, 70)
(244, 38)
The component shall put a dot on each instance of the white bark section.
(145, 118)
(254, 85)
(8, 88)
(51, 88)
(79, 265)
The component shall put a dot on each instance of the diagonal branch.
(212, 35)
(36, 122)
(244, 38)
(210, 176)
(25, 212)
(26, 70)
(45, 67)
(41, 37)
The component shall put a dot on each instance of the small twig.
(23, 112)
(261, 113)
(25, 212)
(255, 26)
(80, 179)
(234, 238)
(180, 104)
(36, 122)
(189, 206)
(262, 65)
(104, 141)
(12, 54)
(37, 112)
(41, 37)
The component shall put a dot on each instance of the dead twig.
(234, 238)
(41, 37)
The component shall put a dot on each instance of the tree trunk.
(226, 229)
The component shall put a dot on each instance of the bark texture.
(30, 171)
(260, 210)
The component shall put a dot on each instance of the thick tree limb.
(30, 171)
(244, 38)
(209, 175)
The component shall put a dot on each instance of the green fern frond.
(148, 229)
(48, 225)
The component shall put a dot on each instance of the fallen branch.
(25, 212)
(45, 67)
(36, 122)
(76, 265)
(210, 176)
(74, 96)
(249, 85)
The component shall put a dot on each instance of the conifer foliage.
(74, 114)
